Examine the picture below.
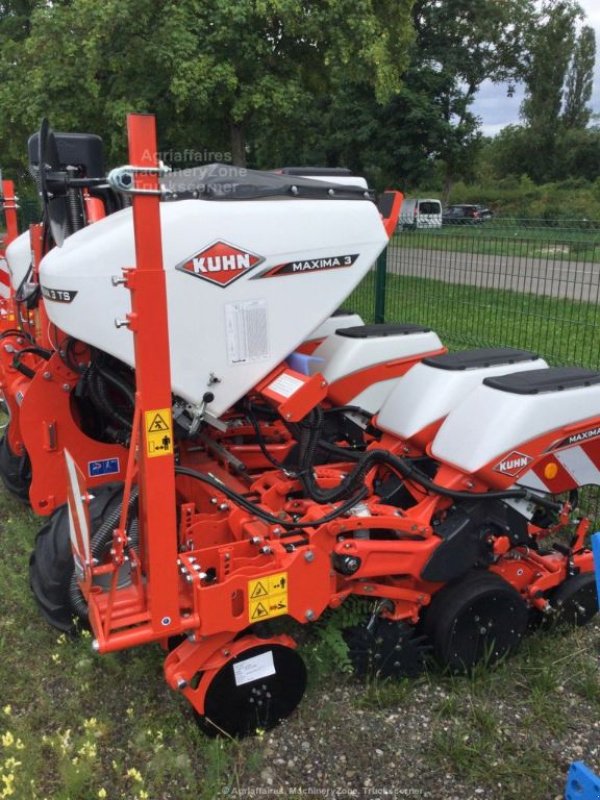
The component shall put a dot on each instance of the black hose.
(309, 441)
(118, 382)
(244, 503)
(96, 390)
(261, 440)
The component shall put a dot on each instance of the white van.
(420, 213)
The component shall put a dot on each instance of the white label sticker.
(252, 669)
(246, 331)
(285, 385)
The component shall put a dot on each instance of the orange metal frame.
(234, 545)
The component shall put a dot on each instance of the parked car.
(485, 213)
(462, 215)
(420, 213)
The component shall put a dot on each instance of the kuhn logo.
(221, 263)
(514, 463)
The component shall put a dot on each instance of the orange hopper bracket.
(151, 463)
(292, 393)
(148, 321)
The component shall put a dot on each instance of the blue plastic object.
(596, 551)
(582, 783)
(300, 362)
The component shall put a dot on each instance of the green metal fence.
(524, 283)
(29, 213)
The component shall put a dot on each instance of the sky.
(497, 110)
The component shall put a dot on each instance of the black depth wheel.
(575, 601)
(480, 618)
(238, 706)
(51, 562)
(15, 471)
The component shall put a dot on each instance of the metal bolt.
(47, 376)
(95, 646)
(121, 323)
(66, 387)
(309, 556)
(165, 621)
(181, 683)
(310, 614)
(223, 507)
(118, 281)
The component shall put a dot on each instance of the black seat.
(482, 357)
(540, 381)
(385, 329)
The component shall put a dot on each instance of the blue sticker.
(104, 466)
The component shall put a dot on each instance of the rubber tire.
(453, 600)
(567, 613)
(15, 471)
(51, 562)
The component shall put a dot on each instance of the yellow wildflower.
(8, 739)
(135, 775)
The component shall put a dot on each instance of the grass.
(507, 238)
(75, 726)
(561, 330)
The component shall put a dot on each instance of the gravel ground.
(508, 734)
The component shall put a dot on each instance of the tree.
(580, 79)
(466, 42)
(550, 44)
(212, 70)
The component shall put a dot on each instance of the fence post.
(380, 284)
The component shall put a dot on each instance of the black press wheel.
(51, 563)
(575, 601)
(385, 649)
(15, 470)
(479, 619)
(238, 704)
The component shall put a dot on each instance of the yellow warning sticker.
(159, 432)
(268, 597)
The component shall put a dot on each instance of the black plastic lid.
(385, 329)
(341, 172)
(482, 357)
(225, 182)
(540, 381)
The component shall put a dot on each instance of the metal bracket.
(121, 179)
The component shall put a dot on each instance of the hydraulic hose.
(255, 510)
(96, 381)
(310, 436)
(118, 383)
